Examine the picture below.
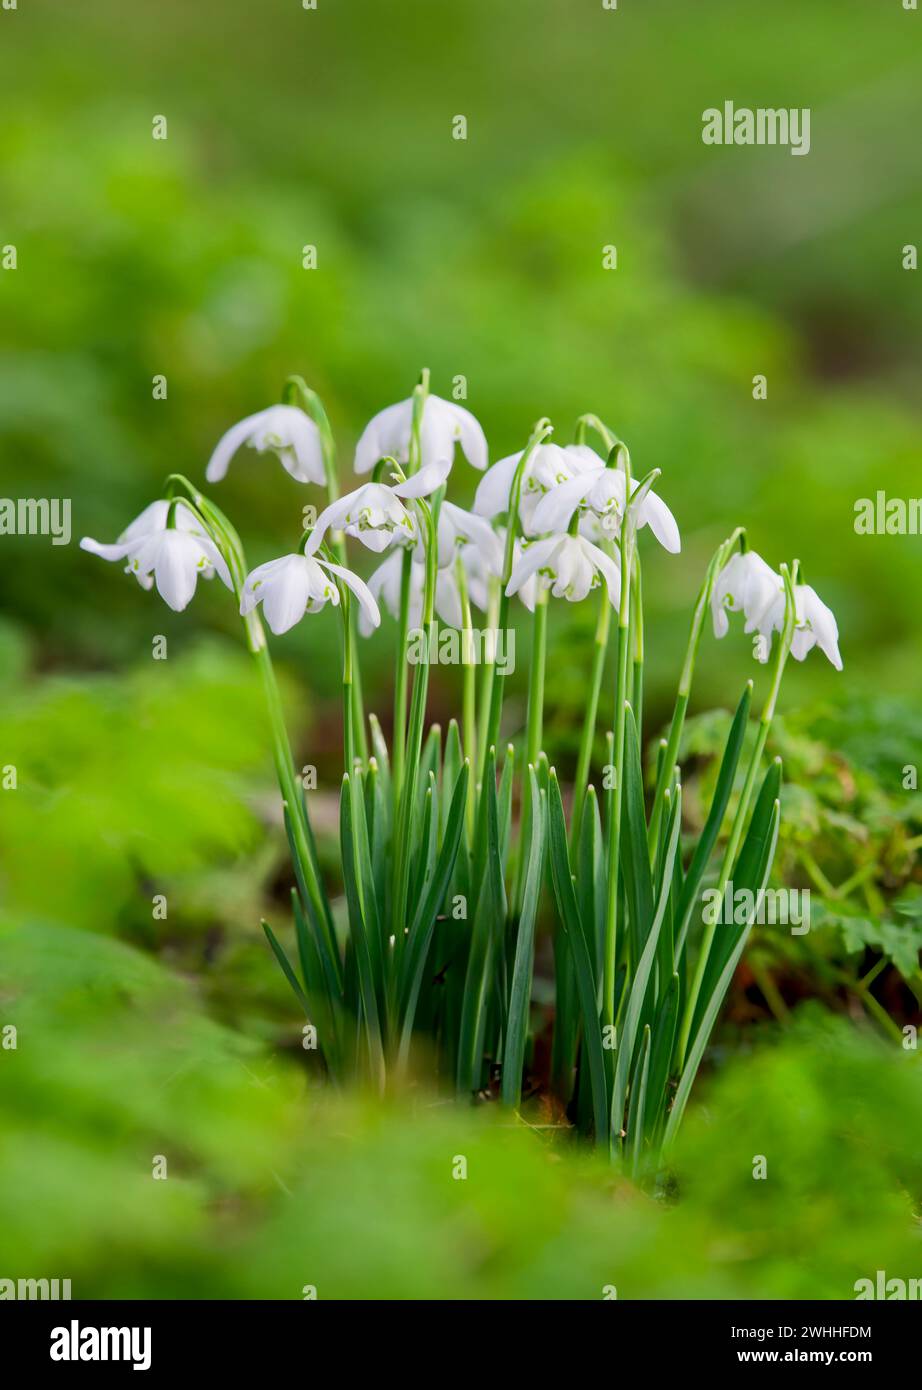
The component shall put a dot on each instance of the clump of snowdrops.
(454, 851)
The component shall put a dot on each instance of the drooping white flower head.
(284, 430)
(548, 466)
(463, 530)
(153, 518)
(443, 424)
(294, 585)
(570, 566)
(601, 491)
(746, 585)
(174, 559)
(177, 559)
(385, 584)
(814, 624)
(375, 513)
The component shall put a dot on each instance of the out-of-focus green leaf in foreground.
(120, 780)
(273, 1185)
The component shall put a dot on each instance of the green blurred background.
(482, 258)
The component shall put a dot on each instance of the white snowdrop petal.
(367, 603)
(557, 506)
(448, 598)
(492, 495)
(429, 478)
(655, 514)
(470, 432)
(176, 568)
(533, 558)
(387, 434)
(285, 596)
(229, 443)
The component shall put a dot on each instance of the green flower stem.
(718, 560)
(420, 393)
(478, 755)
(584, 760)
(349, 741)
(637, 644)
(402, 673)
(293, 801)
(469, 688)
(535, 717)
(415, 735)
(592, 422)
(540, 432)
(227, 540)
(534, 729)
(782, 649)
(614, 818)
(296, 386)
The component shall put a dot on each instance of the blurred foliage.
(104, 768)
(482, 258)
(272, 1186)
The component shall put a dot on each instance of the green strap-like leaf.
(664, 1031)
(504, 802)
(451, 768)
(417, 947)
(635, 859)
(627, 1035)
(718, 810)
(585, 975)
(358, 932)
(379, 746)
(746, 877)
(716, 997)
(324, 937)
(520, 991)
(486, 940)
(636, 1120)
(287, 970)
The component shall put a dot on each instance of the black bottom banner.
(236, 1338)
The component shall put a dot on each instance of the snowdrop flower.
(481, 567)
(294, 585)
(374, 512)
(174, 559)
(548, 467)
(814, 624)
(528, 592)
(460, 529)
(284, 430)
(567, 565)
(443, 424)
(153, 518)
(601, 491)
(745, 585)
(385, 584)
